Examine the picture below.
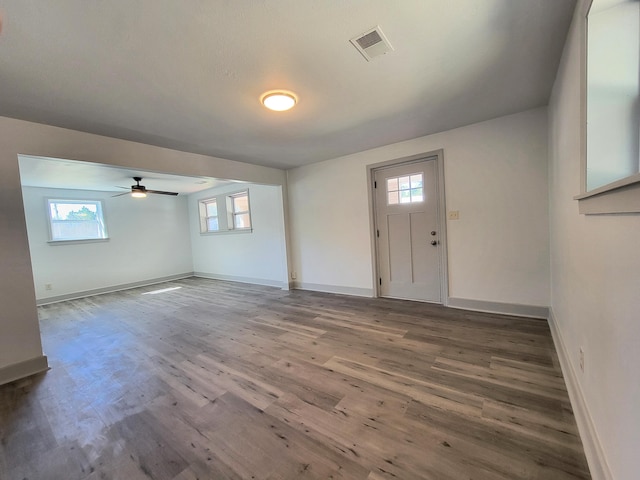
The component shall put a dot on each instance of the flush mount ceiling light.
(278, 100)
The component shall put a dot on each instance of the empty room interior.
(295, 239)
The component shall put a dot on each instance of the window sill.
(228, 232)
(77, 242)
(622, 196)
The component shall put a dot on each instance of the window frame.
(204, 217)
(234, 214)
(100, 213)
(226, 214)
(618, 197)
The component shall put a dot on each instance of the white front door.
(406, 206)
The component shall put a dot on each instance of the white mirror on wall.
(613, 92)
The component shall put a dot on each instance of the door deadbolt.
(433, 232)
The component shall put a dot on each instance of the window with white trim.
(610, 182)
(209, 221)
(241, 215)
(225, 213)
(613, 91)
(75, 220)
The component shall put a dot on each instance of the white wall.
(148, 239)
(19, 330)
(595, 284)
(256, 257)
(495, 175)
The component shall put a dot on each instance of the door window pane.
(416, 195)
(406, 189)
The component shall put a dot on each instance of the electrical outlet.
(582, 359)
(48, 286)
(294, 275)
(454, 215)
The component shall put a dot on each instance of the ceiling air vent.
(372, 43)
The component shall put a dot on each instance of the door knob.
(434, 242)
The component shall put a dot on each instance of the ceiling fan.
(140, 191)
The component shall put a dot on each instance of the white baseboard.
(316, 287)
(514, 309)
(233, 278)
(114, 288)
(596, 457)
(23, 369)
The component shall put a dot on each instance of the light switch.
(454, 215)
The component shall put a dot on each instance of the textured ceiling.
(188, 74)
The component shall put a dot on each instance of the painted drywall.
(19, 329)
(495, 176)
(148, 239)
(595, 283)
(613, 90)
(255, 257)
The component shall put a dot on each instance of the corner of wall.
(593, 450)
(23, 369)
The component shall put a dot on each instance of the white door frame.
(438, 156)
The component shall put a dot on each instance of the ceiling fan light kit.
(140, 191)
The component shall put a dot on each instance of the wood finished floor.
(219, 380)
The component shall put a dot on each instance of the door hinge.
(378, 233)
(380, 281)
(375, 184)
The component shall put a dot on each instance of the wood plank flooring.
(218, 380)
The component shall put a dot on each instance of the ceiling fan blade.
(120, 194)
(160, 192)
(126, 188)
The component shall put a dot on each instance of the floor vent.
(372, 43)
